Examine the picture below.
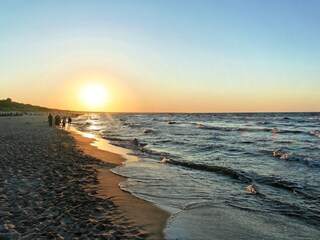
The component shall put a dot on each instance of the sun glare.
(94, 95)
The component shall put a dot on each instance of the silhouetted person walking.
(57, 120)
(50, 118)
(64, 120)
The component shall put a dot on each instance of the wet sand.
(53, 185)
(141, 213)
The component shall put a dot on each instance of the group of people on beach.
(10, 114)
(57, 120)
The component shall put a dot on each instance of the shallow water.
(213, 158)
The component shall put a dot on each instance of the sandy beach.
(55, 185)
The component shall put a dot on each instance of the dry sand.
(55, 187)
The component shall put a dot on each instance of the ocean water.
(212, 159)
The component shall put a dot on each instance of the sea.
(221, 175)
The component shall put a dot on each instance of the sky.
(162, 56)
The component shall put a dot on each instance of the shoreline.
(51, 189)
(151, 218)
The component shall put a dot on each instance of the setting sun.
(94, 95)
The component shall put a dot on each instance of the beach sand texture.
(52, 189)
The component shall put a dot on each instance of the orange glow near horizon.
(123, 93)
(98, 91)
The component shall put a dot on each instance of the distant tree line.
(7, 105)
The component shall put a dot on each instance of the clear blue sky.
(170, 55)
